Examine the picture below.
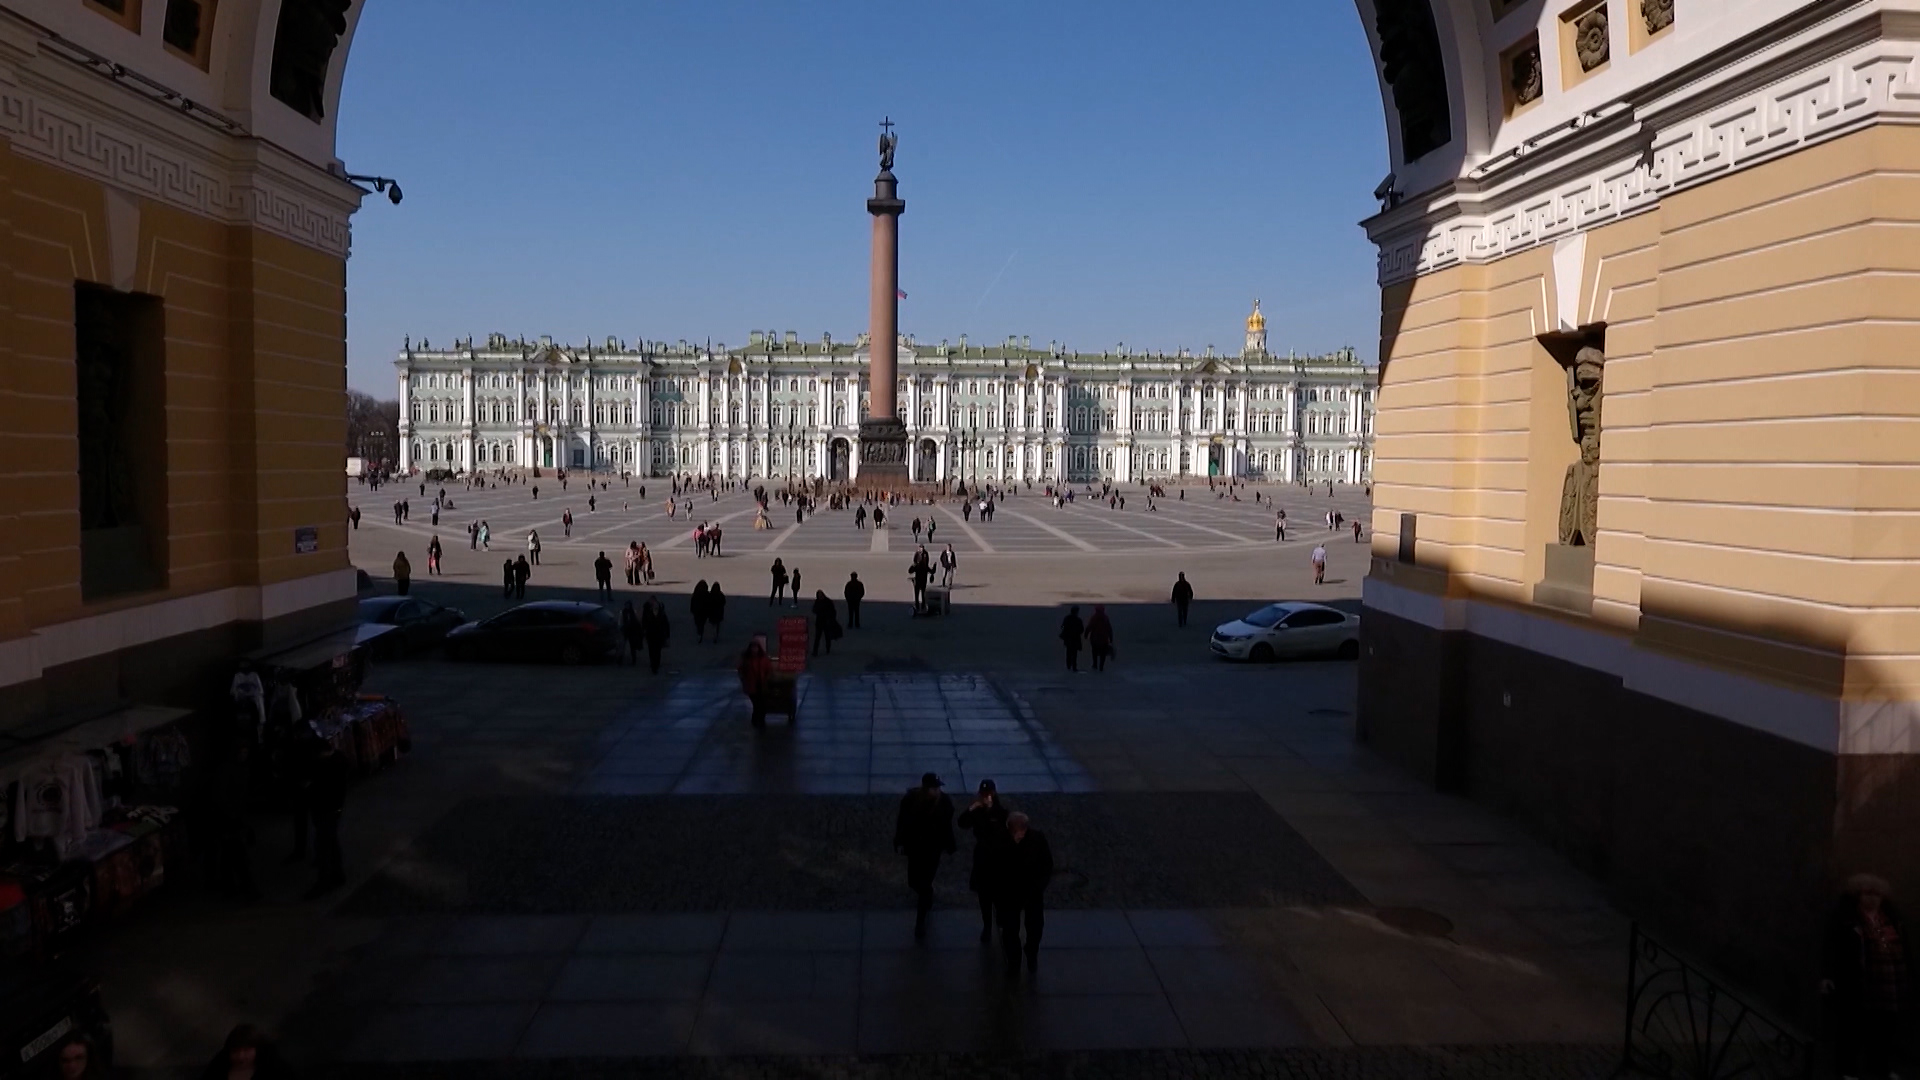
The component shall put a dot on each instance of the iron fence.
(1684, 1025)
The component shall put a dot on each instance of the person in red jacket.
(756, 668)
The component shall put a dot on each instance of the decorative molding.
(1643, 161)
(114, 146)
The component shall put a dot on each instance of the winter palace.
(787, 408)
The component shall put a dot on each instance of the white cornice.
(1813, 86)
(68, 117)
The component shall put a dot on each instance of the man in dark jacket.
(1182, 597)
(1026, 868)
(326, 798)
(986, 817)
(854, 592)
(655, 631)
(924, 832)
(1072, 630)
(1866, 978)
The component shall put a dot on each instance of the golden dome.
(1256, 322)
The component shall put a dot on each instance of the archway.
(840, 454)
(926, 469)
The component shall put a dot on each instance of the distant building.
(783, 407)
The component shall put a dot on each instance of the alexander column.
(883, 437)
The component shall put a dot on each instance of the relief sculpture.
(1580, 494)
(1590, 41)
(1411, 65)
(1657, 13)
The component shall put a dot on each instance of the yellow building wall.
(1759, 501)
(256, 331)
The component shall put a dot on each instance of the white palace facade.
(783, 408)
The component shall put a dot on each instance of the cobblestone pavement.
(597, 872)
(1503, 1062)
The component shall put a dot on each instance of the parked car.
(569, 631)
(417, 624)
(1290, 628)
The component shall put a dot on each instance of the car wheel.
(570, 654)
(1349, 650)
(1261, 654)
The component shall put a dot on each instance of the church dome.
(1256, 322)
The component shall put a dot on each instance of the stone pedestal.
(883, 455)
(1568, 582)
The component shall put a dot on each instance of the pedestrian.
(755, 669)
(402, 573)
(921, 571)
(860, 517)
(1319, 564)
(327, 798)
(1026, 869)
(603, 577)
(486, 537)
(854, 593)
(1100, 636)
(949, 562)
(716, 608)
(1071, 632)
(507, 579)
(521, 572)
(932, 524)
(630, 563)
(630, 632)
(354, 516)
(987, 819)
(1356, 530)
(1865, 976)
(566, 521)
(473, 536)
(794, 589)
(923, 832)
(879, 517)
(657, 631)
(533, 545)
(779, 572)
(1279, 525)
(826, 622)
(76, 1059)
(698, 609)
(593, 504)
(916, 530)
(247, 1054)
(433, 556)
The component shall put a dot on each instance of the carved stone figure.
(1590, 41)
(1411, 65)
(1657, 13)
(888, 143)
(303, 44)
(1525, 77)
(1580, 494)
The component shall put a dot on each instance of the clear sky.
(1131, 171)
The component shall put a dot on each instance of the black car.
(417, 624)
(570, 631)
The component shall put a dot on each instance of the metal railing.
(1684, 1025)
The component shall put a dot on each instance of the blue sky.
(1126, 171)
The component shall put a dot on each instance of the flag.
(900, 293)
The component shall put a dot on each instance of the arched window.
(416, 412)
(926, 416)
(626, 413)
(1109, 461)
(839, 416)
(733, 414)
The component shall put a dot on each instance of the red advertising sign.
(793, 644)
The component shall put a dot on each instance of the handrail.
(1683, 1025)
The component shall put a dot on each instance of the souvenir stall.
(91, 821)
(315, 687)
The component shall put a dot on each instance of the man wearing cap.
(987, 818)
(1026, 868)
(924, 832)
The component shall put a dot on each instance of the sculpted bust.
(1580, 494)
(1526, 77)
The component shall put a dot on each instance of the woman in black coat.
(826, 622)
(699, 610)
(987, 819)
(1866, 978)
(716, 608)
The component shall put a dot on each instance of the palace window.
(626, 413)
(926, 416)
(416, 412)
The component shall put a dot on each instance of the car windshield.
(374, 611)
(1266, 617)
